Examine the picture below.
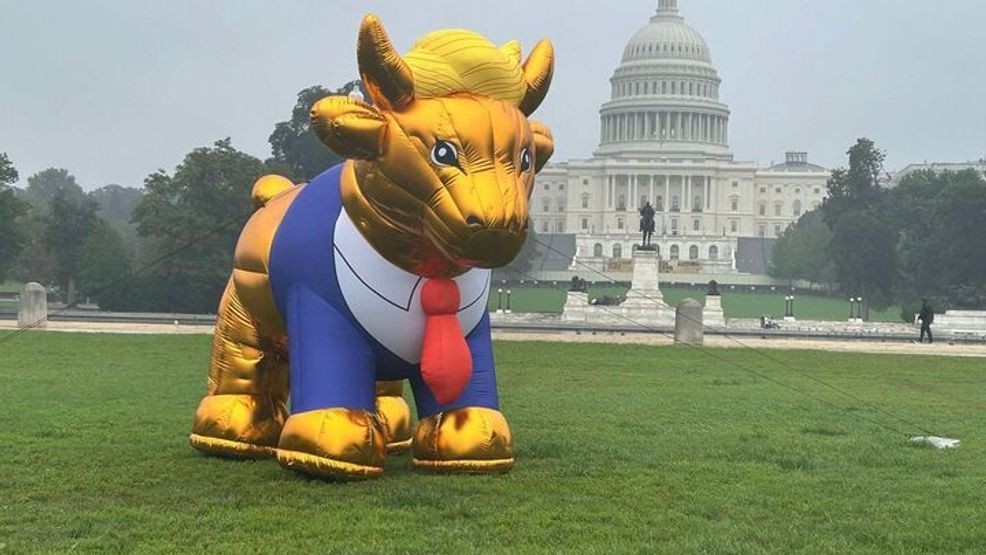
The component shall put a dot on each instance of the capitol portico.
(664, 139)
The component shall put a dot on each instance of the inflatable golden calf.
(378, 270)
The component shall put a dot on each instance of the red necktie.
(446, 364)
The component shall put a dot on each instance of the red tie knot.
(440, 297)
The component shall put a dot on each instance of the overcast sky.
(113, 90)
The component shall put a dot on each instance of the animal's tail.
(268, 187)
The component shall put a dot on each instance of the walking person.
(926, 316)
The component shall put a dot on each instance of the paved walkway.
(854, 346)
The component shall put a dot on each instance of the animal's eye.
(444, 154)
(525, 159)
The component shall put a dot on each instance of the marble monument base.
(712, 313)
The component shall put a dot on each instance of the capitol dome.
(665, 94)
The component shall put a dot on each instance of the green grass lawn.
(738, 303)
(619, 449)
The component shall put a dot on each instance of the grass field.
(738, 303)
(620, 449)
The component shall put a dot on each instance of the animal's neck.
(409, 251)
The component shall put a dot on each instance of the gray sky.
(113, 90)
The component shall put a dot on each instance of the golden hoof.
(340, 444)
(395, 418)
(471, 440)
(240, 426)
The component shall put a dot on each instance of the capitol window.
(797, 208)
(735, 184)
(693, 252)
(777, 189)
(777, 230)
(585, 181)
(585, 201)
(547, 186)
(560, 227)
(733, 226)
(597, 250)
(778, 207)
(675, 205)
(674, 252)
(762, 231)
(763, 189)
(734, 203)
(817, 190)
(617, 251)
(620, 223)
(545, 205)
(696, 224)
(763, 208)
(713, 253)
(585, 224)
(660, 203)
(544, 226)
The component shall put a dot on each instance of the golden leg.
(470, 439)
(244, 408)
(339, 444)
(394, 415)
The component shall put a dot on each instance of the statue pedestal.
(712, 312)
(645, 303)
(644, 290)
(576, 307)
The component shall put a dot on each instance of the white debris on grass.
(937, 442)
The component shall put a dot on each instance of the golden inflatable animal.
(378, 270)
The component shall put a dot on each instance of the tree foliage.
(8, 173)
(801, 252)
(69, 221)
(194, 218)
(104, 267)
(293, 143)
(863, 243)
(12, 238)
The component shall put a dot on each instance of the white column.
(667, 193)
(609, 195)
(688, 193)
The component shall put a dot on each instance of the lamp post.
(852, 304)
(789, 307)
(508, 302)
(499, 300)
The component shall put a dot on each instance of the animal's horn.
(538, 68)
(385, 75)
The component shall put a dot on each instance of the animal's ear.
(538, 69)
(387, 78)
(544, 144)
(350, 128)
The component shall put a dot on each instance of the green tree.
(802, 251)
(116, 206)
(12, 238)
(863, 245)
(104, 267)
(192, 220)
(941, 251)
(43, 186)
(8, 173)
(295, 146)
(70, 219)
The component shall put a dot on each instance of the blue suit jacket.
(335, 360)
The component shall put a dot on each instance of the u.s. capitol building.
(664, 139)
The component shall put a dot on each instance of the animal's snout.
(493, 248)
